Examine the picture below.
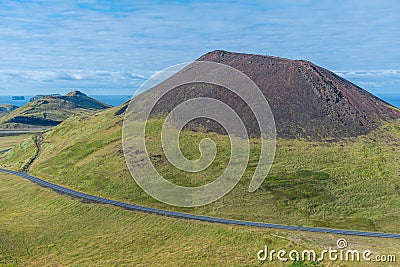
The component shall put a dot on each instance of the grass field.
(352, 184)
(41, 228)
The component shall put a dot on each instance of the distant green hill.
(47, 111)
(6, 108)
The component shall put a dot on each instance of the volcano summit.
(307, 101)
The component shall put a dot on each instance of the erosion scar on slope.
(38, 142)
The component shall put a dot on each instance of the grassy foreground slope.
(352, 184)
(41, 228)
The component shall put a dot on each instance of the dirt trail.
(38, 143)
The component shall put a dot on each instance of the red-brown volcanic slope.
(307, 101)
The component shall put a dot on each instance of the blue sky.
(111, 47)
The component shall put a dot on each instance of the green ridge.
(49, 111)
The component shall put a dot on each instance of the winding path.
(187, 216)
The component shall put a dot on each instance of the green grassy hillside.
(41, 228)
(352, 184)
(50, 110)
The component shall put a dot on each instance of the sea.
(116, 100)
(393, 99)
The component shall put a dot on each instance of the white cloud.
(368, 73)
(376, 81)
(56, 40)
(113, 82)
(69, 75)
(369, 84)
